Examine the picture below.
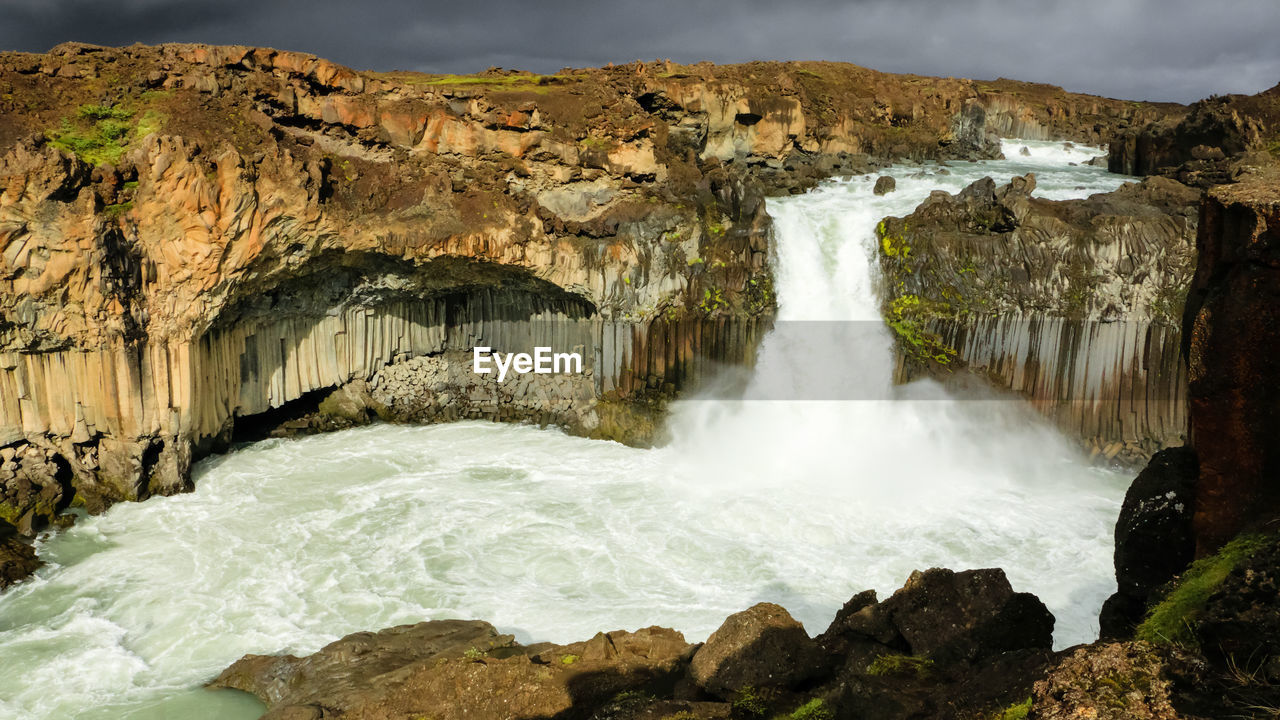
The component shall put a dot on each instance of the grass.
(1173, 619)
(101, 134)
(900, 665)
(748, 702)
(815, 709)
(1017, 711)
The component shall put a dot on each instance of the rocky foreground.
(946, 645)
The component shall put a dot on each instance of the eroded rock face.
(1154, 539)
(1232, 340)
(454, 669)
(1099, 283)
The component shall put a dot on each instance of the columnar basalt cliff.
(1075, 304)
(197, 239)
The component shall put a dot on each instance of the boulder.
(761, 647)
(1154, 540)
(456, 668)
(947, 617)
(885, 184)
(17, 558)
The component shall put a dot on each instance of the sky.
(1179, 50)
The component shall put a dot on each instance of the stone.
(1113, 681)
(1231, 338)
(17, 558)
(1154, 539)
(947, 617)
(456, 668)
(885, 184)
(761, 647)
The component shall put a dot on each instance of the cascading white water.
(286, 545)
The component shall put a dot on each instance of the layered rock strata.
(1074, 304)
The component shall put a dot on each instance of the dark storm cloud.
(1138, 49)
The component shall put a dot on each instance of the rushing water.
(286, 545)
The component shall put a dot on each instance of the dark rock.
(762, 647)
(1240, 624)
(1154, 539)
(17, 558)
(885, 184)
(946, 616)
(1231, 339)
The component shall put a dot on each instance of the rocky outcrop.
(1074, 304)
(455, 669)
(242, 241)
(762, 647)
(17, 558)
(946, 645)
(1232, 340)
(1154, 539)
(1206, 146)
(1116, 681)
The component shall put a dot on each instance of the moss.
(1017, 711)
(815, 709)
(909, 665)
(749, 701)
(117, 210)
(1173, 619)
(907, 316)
(568, 659)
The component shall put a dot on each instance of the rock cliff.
(1075, 303)
(203, 243)
(1232, 341)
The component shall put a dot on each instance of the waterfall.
(286, 545)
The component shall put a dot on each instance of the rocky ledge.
(1076, 303)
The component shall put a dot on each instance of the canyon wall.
(1074, 304)
(204, 243)
(1232, 323)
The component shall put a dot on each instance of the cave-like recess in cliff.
(289, 339)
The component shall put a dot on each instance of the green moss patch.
(900, 665)
(101, 134)
(1173, 619)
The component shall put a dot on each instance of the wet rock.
(761, 647)
(1154, 539)
(17, 558)
(1024, 151)
(885, 184)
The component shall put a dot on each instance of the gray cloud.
(1137, 49)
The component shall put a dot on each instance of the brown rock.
(1116, 681)
(455, 668)
(761, 647)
